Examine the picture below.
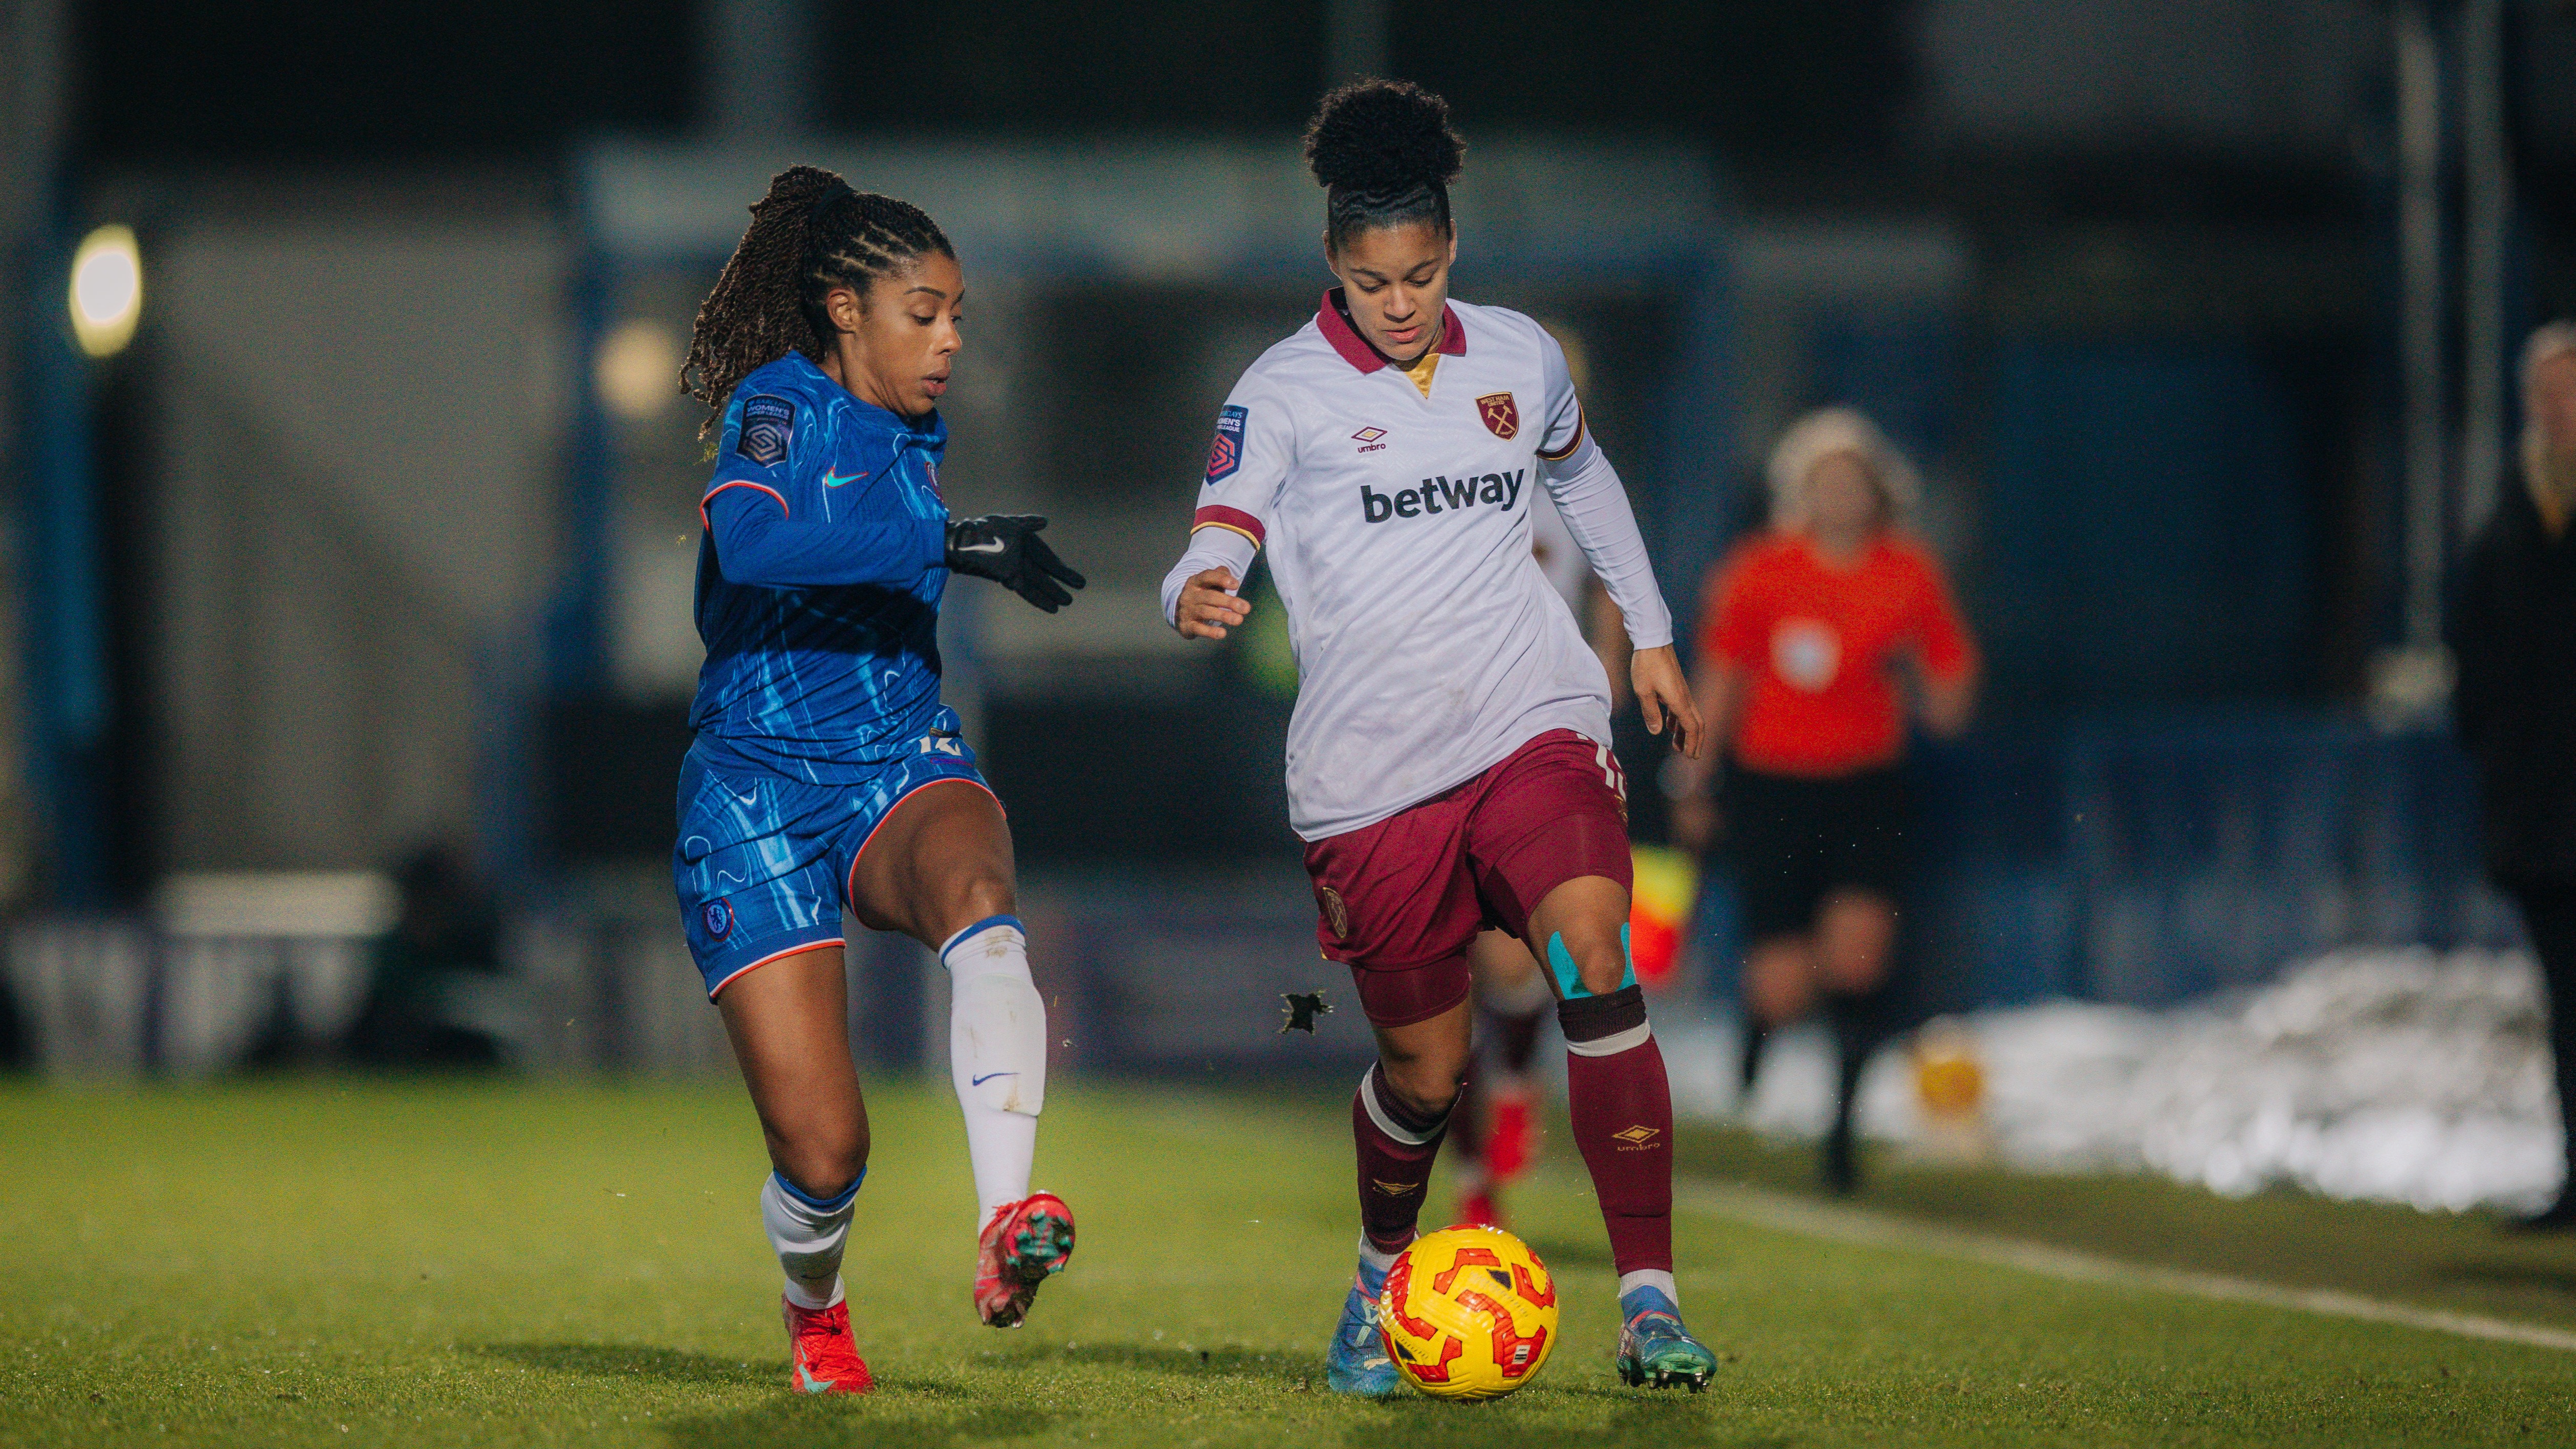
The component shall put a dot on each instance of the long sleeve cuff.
(1211, 547)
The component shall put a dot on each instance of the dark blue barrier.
(2148, 862)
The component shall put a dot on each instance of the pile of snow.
(2389, 1075)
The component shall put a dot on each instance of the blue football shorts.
(764, 862)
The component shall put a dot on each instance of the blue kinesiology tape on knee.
(1569, 982)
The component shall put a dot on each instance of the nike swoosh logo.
(834, 480)
(751, 799)
(994, 547)
(988, 1076)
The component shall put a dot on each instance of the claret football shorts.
(764, 862)
(1399, 901)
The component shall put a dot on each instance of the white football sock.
(1659, 1279)
(809, 1235)
(1375, 1257)
(996, 1056)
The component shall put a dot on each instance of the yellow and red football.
(1469, 1313)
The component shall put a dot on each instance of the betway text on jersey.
(1497, 488)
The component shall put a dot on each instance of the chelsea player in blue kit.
(826, 773)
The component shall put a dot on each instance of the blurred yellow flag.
(1659, 911)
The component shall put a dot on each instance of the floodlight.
(638, 369)
(107, 290)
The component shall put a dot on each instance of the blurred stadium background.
(352, 646)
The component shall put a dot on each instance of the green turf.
(2462, 1262)
(491, 1264)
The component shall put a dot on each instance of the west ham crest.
(1502, 415)
(1336, 915)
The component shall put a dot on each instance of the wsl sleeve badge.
(1226, 453)
(767, 424)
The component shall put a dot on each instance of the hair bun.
(1381, 136)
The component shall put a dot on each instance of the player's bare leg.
(1398, 1117)
(1780, 979)
(789, 1024)
(1779, 987)
(1855, 937)
(1623, 1120)
(940, 870)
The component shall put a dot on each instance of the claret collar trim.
(1335, 324)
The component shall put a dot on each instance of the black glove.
(1005, 548)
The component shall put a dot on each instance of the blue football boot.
(1654, 1348)
(1356, 1363)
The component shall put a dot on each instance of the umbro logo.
(1637, 1137)
(1395, 1189)
(1367, 438)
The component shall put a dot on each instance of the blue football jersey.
(826, 683)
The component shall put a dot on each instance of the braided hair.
(1384, 154)
(811, 233)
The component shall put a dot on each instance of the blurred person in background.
(448, 931)
(1812, 635)
(2512, 631)
(826, 774)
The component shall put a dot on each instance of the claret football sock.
(996, 1056)
(1623, 1123)
(1396, 1148)
(808, 1232)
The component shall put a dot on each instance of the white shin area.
(1656, 1278)
(996, 1056)
(808, 1240)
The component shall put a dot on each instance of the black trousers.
(2549, 918)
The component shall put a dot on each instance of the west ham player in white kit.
(1449, 763)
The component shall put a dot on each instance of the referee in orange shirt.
(1812, 636)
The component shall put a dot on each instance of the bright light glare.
(107, 290)
(639, 369)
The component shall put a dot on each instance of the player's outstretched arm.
(1663, 695)
(1005, 548)
(1208, 606)
(1199, 593)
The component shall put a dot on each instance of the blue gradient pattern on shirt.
(828, 683)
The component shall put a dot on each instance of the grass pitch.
(486, 1263)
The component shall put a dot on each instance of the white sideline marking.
(1879, 1230)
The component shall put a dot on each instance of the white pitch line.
(1879, 1230)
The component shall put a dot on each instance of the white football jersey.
(1559, 557)
(1429, 644)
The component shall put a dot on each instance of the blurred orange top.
(1822, 644)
